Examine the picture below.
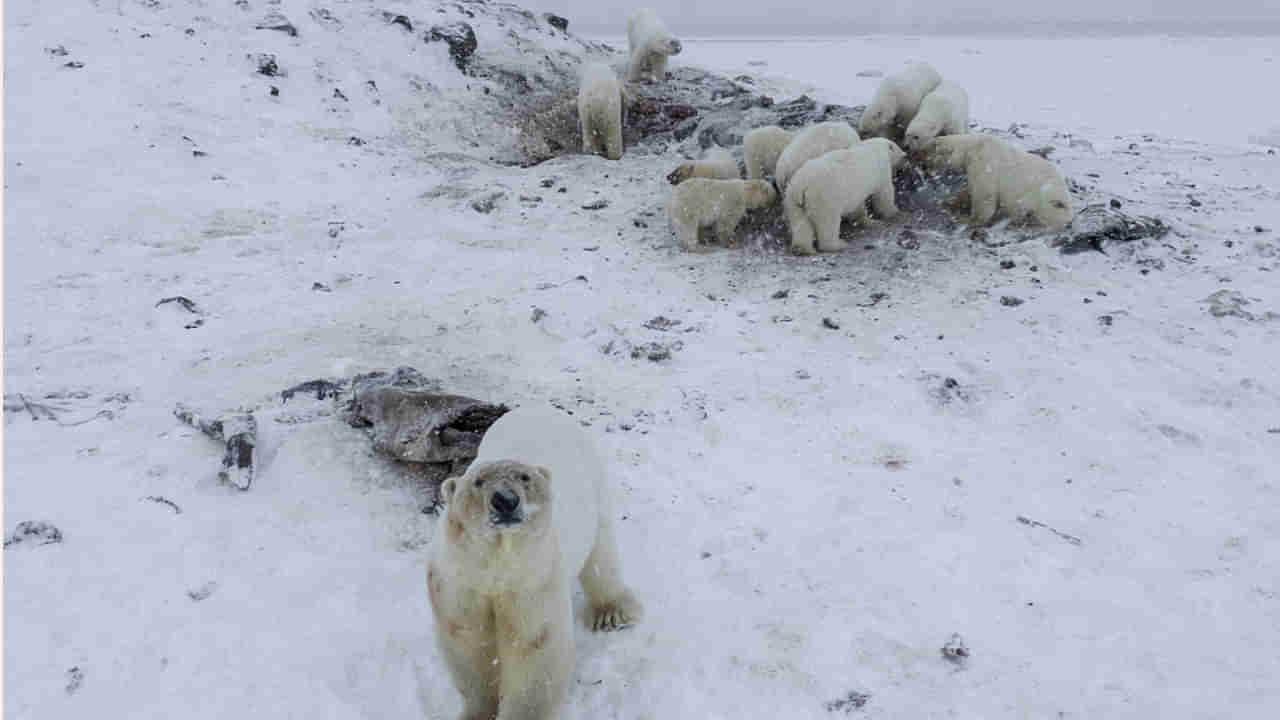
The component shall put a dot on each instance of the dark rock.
(279, 23)
(537, 314)
(780, 295)
(1007, 264)
(57, 51)
(955, 651)
(1097, 225)
(203, 592)
(488, 203)
(401, 20)
(830, 324)
(74, 65)
(556, 21)
(662, 323)
(75, 678)
(33, 532)
(853, 700)
(1194, 202)
(267, 65)
(1115, 204)
(1010, 301)
(181, 301)
(461, 39)
(339, 95)
(598, 204)
(321, 388)
(239, 434)
(353, 140)
(275, 91)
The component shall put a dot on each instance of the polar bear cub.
(717, 163)
(811, 142)
(762, 147)
(703, 202)
(649, 45)
(600, 100)
(530, 514)
(1002, 177)
(838, 184)
(945, 111)
(897, 101)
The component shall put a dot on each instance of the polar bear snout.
(504, 505)
(674, 47)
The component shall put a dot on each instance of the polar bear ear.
(447, 489)
(544, 472)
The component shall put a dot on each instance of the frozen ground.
(808, 511)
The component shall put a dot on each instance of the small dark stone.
(597, 204)
(57, 51)
(487, 203)
(563, 190)
(853, 700)
(400, 20)
(353, 140)
(34, 532)
(1193, 202)
(556, 21)
(74, 65)
(548, 182)
(766, 101)
(1105, 320)
(182, 301)
(955, 650)
(267, 65)
(338, 95)
(75, 678)
(275, 91)
(537, 314)
(461, 39)
(1007, 264)
(830, 324)
(1115, 203)
(1010, 301)
(802, 374)
(199, 153)
(1088, 300)
(1259, 229)
(320, 287)
(781, 294)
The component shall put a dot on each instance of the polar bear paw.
(615, 614)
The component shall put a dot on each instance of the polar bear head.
(950, 151)
(878, 118)
(499, 499)
(921, 130)
(759, 193)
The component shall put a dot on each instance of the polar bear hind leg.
(982, 197)
(884, 203)
(613, 143)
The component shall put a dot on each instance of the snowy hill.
(826, 466)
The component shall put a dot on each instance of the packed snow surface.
(826, 468)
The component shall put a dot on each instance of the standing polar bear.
(1002, 177)
(761, 149)
(717, 163)
(702, 202)
(898, 100)
(811, 142)
(838, 184)
(530, 514)
(945, 111)
(649, 44)
(600, 102)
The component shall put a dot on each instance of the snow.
(805, 512)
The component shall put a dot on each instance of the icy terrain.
(829, 468)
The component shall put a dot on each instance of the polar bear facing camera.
(1001, 177)
(811, 142)
(702, 202)
(838, 184)
(600, 101)
(945, 111)
(761, 149)
(717, 163)
(530, 514)
(650, 44)
(897, 101)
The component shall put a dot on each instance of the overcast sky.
(770, 15)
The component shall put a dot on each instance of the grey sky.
(773, 15)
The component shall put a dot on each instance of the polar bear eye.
(524, 478)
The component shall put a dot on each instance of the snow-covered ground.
(1083, 486)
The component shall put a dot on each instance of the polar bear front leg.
(613, 143)
(727, 223)
(982, 197)
(587, 145)
(610, 605)
(883, 202)
(802, 232)
(659, 67)
(536, 658)
(827, 225)
(636, 68)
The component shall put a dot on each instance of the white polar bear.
(898, 100)
(1002, 177)
(717, 164)
(531, 513)
(600, 103)
(838, 184)
(762, 147)
(811, 142)
(703, 202)
(945, 111)
(649, 44)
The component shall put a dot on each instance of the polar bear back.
(548, 438)
(898, 99)
(761, 149)
(812, 142)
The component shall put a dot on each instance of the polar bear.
(1002, 177)
(762, 147)
(717, 163)
(898, 100)
(703, 202)
(530, 514)
(837, 184)
(945, 111)
(649, 44)
(811, 142)
(600, 103)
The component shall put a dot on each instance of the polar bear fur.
(649, 44)
(717, 164)
(761, 149)
(600, 102)
(945, 111)
(703, 202)
(1004, 178)
(811, 142)
(838, 184)
(897, 101)
(530, 514)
